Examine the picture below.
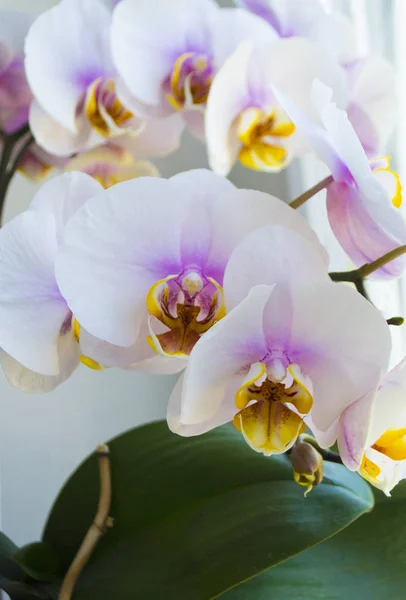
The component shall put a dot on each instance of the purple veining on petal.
(262, 9)
(67, 324)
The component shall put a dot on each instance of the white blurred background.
(43, 438)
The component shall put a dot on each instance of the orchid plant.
(113, 266)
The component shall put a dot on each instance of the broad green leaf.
(39, 561)
(8, 568)
(22, 591)
(366, 560)
(194, 517)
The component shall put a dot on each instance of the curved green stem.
(311, 192)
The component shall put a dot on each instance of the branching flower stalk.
(97, 529)
(9, 163)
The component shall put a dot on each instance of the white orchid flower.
(167, 53)
(149, 255)
(372, 432)
(244, 119)
(363, 200)
(38, 333)
(294, 346)
(71, 73)
(15, 94)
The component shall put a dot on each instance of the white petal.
(147, 38)
(30, 381)
(32, 310)
(159, 137)
(390, 403)
(55, 138)
(69, 46)
(354, 429)
(269, 255)
(118, 245)
(243, 211)
(341, 342)
(62, 196)
(232, 26)
(223, 356)
(224, 415)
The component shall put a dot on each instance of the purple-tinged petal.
(68, 45)
(367, 227)
(32, 311)
(180, 26)
(272, 254)
(341, 342)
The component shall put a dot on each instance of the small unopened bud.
(307, 464)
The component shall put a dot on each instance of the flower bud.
(307, 464)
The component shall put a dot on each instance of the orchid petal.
(143, 64)
(269, 255)
(62, 196)
(70, 61)
(32, 382)
(224, 415)
(53, 137)
(117, 255)
(367, 226)
(333, 339)
(32, 311)
(223, 355)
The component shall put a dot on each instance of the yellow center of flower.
(103, 109)
(263, 138)
(267, 422)
(391, 444)
(181, 311)
(190, 81)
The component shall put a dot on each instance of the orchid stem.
(311, 192)
(8, 170)
(97, 529)
(359, 274)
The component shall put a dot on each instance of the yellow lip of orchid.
(263, 139)
(391, 444)
(184, 327)
(265, 419)
(105, 117)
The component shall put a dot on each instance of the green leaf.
(195, 516)
(39, 561)
(21, 591)
(8, 568)
(366, 560)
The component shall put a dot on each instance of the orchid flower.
(364, 198)
(245, 121)
(38, 333)
(71, 73)
(149, 257)
(176, 73)
(372, 432)
(15, 95)
(294, 345)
